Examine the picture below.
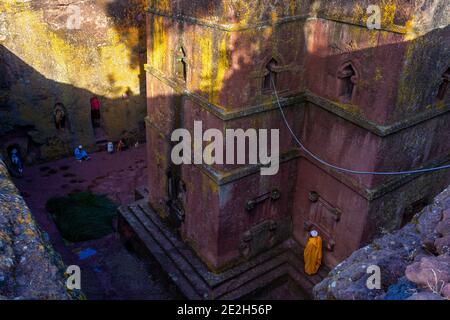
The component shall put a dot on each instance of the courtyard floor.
(108, 269)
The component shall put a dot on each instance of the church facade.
(359, 98)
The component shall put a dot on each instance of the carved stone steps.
(153, 247)
(192, 276)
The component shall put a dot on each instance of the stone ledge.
(239, 27)
(297, 100)
(221, 177)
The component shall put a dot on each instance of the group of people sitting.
(82, 155)
(16, 163)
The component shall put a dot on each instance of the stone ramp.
(141, 226)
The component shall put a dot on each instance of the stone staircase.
(141, 227)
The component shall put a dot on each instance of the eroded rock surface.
(414, 261)
(29, 268)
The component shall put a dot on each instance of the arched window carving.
(443, 87)
(347, 82)
(59, 116)
(270, 78)
(181, 65)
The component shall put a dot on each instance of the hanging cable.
(325, 163)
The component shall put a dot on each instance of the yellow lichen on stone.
(350, 108)
(214, 64)
(389, 10)
(410, 33)
(30, 232)
(222, 66)
(206, 56)
(440, 104)
(359, 14)
(163, 5)
(213, 187)
(274, 16)
(406, 92)
(378, 75)
(160, 44)
(71, 63)
(101, 59)
(292, 6)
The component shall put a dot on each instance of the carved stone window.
(59, 116)
(270, 77)
(181, 65)
(443, 87)
(347, 82)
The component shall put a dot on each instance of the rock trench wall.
(47, 57)
(29, 267)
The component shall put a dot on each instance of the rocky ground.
(414, 261)
(29, 268)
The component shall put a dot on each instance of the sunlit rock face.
(360, 98)
(423, 15)
(69, 52)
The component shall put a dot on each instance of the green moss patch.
(82, 216)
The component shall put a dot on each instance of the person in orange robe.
(313, 253)
(120, 145)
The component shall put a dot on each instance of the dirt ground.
(112, 272)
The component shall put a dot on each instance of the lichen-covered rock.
(443, 227)
(425, 296)
(71, 51)
(29, 268)
(431, 272)
(446, 291)
(418, 251)
(442, 245)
